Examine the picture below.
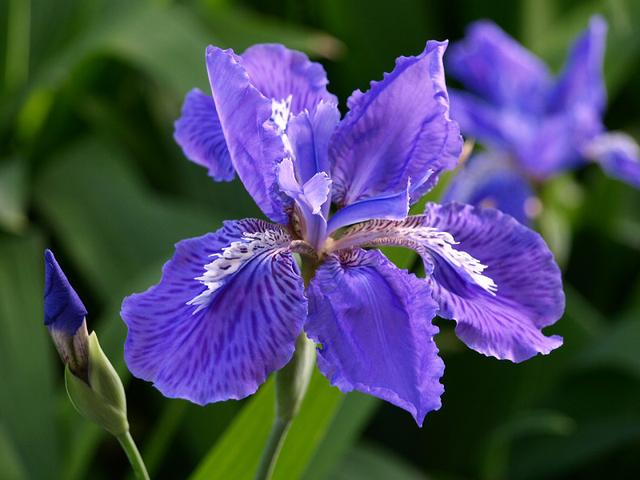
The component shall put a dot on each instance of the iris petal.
(199, 133)
(277, 72)
(619, 156)
(63, 309)
(496, 67)
(245, 89)
(217, 333)
(488, 180)
(396, 132)
(254, 144)
(373, 322)
(529, 294)
(491, 274)
(582, 81)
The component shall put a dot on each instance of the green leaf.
(237, 453)
(369, 462)
(495, 460)
(13, 195)
(351, 418)
(616, 348)
(27, 409)
(154, 38)
(10, 463)
(242, 28)
(557, 456)
(110, 224)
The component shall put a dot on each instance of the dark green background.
(88, 167)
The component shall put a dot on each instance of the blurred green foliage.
(88, 167)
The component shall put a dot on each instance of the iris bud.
(64, 316)
(93, 386)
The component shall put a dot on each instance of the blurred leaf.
(13, 195)
(368, 462)
(623, 42)
(555, 456)
(237, 453)
(347, 425)
(107, 221)
(495, 460)
(242, 28)
(26, 397)
(561, 199)
(18, 24)
(166, 42)
(10, 464)
(617, 348)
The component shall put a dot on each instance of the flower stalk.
(291, 386)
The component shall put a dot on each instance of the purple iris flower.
(534, 125)
(231, 304)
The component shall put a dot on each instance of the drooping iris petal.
(397, 131)
(491, 274)
(619, 156)
(63, 309)
(582, 81)
(488, 180)
(529, 293)
(277, 72)
(225, 314)
(494, 66)
(373, 323)
(199, 133)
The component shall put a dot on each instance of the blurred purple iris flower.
(231, 304)
(534, 126)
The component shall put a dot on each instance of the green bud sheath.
(102, 400)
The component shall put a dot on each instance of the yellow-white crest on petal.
(234, 257)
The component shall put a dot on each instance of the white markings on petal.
(233, 258)
(442, 244)
(425, 240)
(280, 115)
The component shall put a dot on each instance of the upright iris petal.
(199, 133)
(581, 82)
(495, 67)
(397, 132)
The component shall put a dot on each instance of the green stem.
(291, 385)
(133, 454)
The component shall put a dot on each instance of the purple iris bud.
(231, 304)
(64, 316)
(542, 124)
